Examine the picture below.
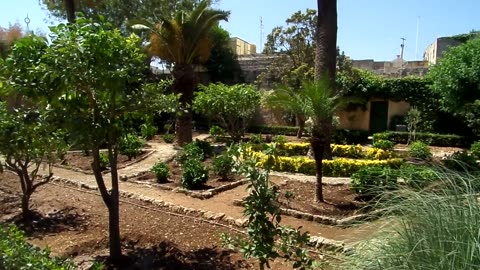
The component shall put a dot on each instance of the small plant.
(280, 139)
(223, 166)
(130, 145)
(475, 149)
(148, 130)
(104, 160)
(194, 175)
(461, 161)
(414, 118)
(256, 139)
(419, 150)
(206, 147)
(167, 128)
(161, 171)
(289, 196)
(383, 144)
(371, 182)
(216, 132)
(168, 138)
(417, 176)
(190, 151)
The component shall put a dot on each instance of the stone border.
(149, 153)
(348, 221)
(315, 241)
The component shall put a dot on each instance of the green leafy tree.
(96, 74)
(456, 80)
(185, 42)
(8, 36)
(233, 106)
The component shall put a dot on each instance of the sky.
(367, 29)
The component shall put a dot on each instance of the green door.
(378, 116)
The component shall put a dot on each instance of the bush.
(130, 145)
(104, 160)
(347, 151)
(223, 166)
(274, 130)
(194, 175)
(256, 139)
(461, 161)
(168, 138)
(349, 136)
(205, 146)
(384, 144)
(419, 150)
(418, 176)
(161, 171)
(434, 139)
(372, 181)
(148, 130)
(190, 151)
(280, 139)
(301, 149)
(216, 132)
(475, 149)
(17, 254)
(378, 154)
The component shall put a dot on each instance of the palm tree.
(185, 41)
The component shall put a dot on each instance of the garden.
(105, 166)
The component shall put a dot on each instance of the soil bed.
(340, 201)
(79, 160)
(175, 179)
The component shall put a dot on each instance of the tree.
(185, 42)
(8, 36)
(95, 75)
(455, 78)
(233, 106)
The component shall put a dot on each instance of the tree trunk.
(70, 9)
(26, 206)
(113, 211)
(301, 126)
(326, 38)
(185, 83)
(318, 146)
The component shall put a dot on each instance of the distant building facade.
(241, 47)
(435, 50)
(396, 68)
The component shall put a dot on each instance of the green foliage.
(17, 254)
(232, 106)
(383, 144)
(446, 140)
(130, 145)
(104, 160)
(419, 150)
(461, 161)
(222, 65)
(371, 182)
(168, 138)
(256, 139)
(223, 165)
(205, 146)
(161, 171)
(194, 174)
(418, 176)
(349, 136)
(190, 151)
(216, 132)
(475, 149)
(280, 139)
(274, 130)
(148, 130)
(263, 211)
(414, 118)
(455, 79)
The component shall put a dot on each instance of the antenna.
(416, 39)
(402, 47)
(261, 34)
(27, 21)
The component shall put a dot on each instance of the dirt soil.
(80, 161)
(175, 178)
(74, 224)
(339, 199)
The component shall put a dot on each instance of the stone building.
(435, 50)
(241, 47)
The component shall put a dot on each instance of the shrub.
(434, 139)
(130, 145)
(161, 171)
(347, 151)
(190, 151)
(216, 132)
(104, 160)
(205, 146)
(417, 176)
(223, 166)
(280, 139)
(301, 149)
(372, 181)
(16, 253)
(349, 136)
(384, 144)
(461, 161)
(256, 139)
(419, 150)
(168, 138)
(274, 130)
(194, 175)
(475, 149)
(378, 154)
(148, 130)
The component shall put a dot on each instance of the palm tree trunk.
(185, 83)
(318, 146)
(70, 9)
(326, 38)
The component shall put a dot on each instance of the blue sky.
(367, 29)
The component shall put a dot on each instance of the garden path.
(220, 203)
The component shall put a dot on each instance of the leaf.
(140, 27)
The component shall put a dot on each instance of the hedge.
(339, 167)
(434, 139)
(338, 150)
(339, 136)
(16, 253)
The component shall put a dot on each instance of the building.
(435, 50)
(395, 68)
(241, 47)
